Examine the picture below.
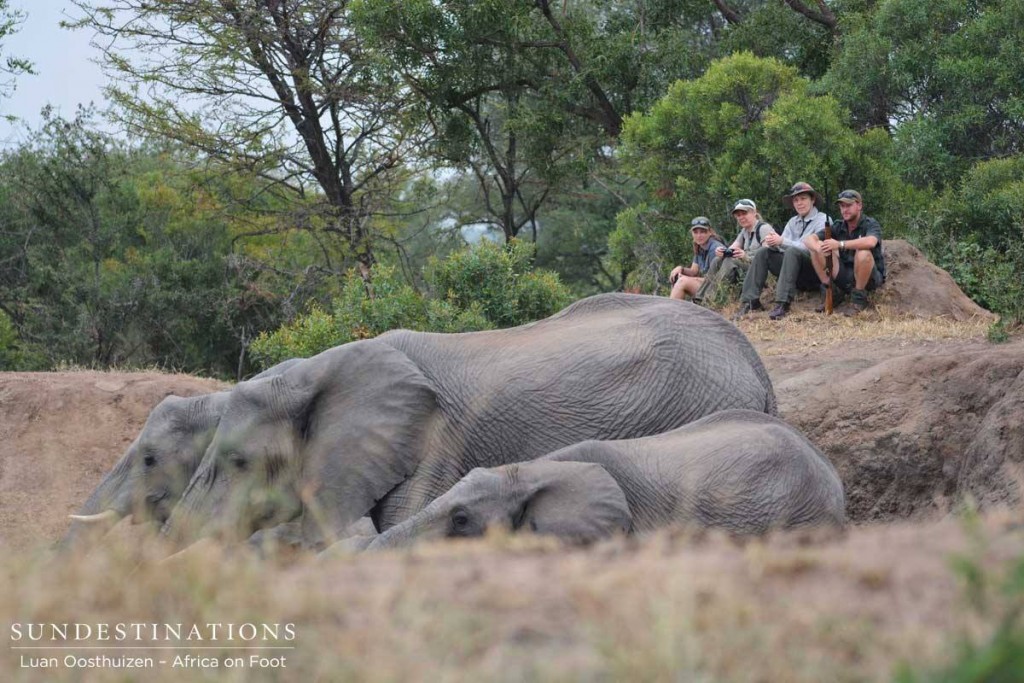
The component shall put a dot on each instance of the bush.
(500, 279)
(479, 288)
(973, 233)
(15, 355)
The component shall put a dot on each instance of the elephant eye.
(238, 461)
(149, 460)
(460, 521)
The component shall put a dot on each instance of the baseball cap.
(700, 222)
(744, 205)
(849, 197)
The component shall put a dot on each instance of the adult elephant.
(155, 469)
(386, 425)
(739, 470)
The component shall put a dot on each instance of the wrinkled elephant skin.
(738, 470)
(384, 426)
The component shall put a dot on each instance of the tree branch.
(824, 16)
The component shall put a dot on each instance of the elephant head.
(149, 479)
(572, 500)
(326, 440)
(156, 468)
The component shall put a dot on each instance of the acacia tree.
(280, 88)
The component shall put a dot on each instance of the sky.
(65, 75)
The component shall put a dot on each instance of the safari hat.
(744, 205)
(801, 188)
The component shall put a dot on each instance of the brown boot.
(858, 303)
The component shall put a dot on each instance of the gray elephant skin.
(384, 426)
(739, 470)
(155, 469)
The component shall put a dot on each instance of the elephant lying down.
(739, 470)
(148, 480)
(383, 426)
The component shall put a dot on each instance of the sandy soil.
(61, 432)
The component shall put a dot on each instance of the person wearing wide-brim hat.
(787, 257)
(686, 280)
(731, 263)
(799, 189)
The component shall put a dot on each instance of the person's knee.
(864, 258)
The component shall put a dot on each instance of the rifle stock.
(828, 268)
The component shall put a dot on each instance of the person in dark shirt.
(687, 280)
(858, 260)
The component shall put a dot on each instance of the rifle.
(828, 268)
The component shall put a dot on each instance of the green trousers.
(792, 267)
(725, 269)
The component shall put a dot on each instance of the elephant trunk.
(405, 534)
(109, 502)
(202, 510)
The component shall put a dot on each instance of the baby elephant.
(739, 470)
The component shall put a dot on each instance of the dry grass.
(801, 330)
(794, 607)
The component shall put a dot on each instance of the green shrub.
(479, 288)
(499, 278)
(14, 354)
(973, 232)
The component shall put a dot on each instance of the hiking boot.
(781, 309)
(837, 298)
(747, 307)
(858, 303)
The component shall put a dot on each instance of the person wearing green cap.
(686, 280)
(858, 261)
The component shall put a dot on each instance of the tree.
(748, 127)
(482, 85)
(11, 66)
(280, 88)
(115, 254)
(944, 76)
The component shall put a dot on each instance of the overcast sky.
(65, 76)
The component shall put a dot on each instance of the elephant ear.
(573, 500)
(362, 415)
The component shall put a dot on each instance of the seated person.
(858, 261)
(686, 280)
(786, 256)
(731, 263)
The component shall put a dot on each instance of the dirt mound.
(61, 432)
(911, 430)
(914, 286)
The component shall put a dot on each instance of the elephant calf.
(740, 470)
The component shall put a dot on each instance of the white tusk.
(106, 515)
